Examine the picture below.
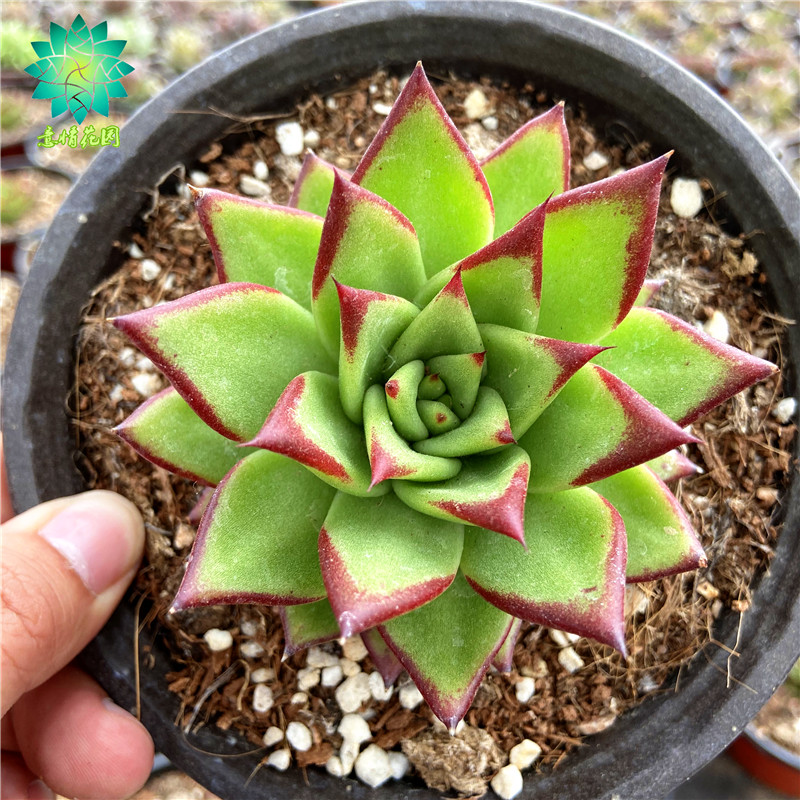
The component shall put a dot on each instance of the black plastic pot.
(659, 744)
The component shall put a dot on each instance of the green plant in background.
(15, 43)
(16, 199)
(79, 69)
(427, 394)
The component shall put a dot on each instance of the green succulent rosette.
(427, 395)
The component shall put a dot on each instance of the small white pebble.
(218, 640)
(524, 689)
(261, 170)
(490, 123)
(348, 753)
(373, 89)
(144, 364)
(410, 696)
(262, 675)
(332, 676)
(254, 187)
(116, 394)
(311, 139)
(559, 637)
(785, 409)
(263, 699)
(127, 356)
(570, 660)
(353, 692)
(317, 657)
(476, 105)
(272, 736)
(290, 138)
(522, 755)
(647, 683)
(349, 667)
(289, 166)
(149, 269)
(595, 160)
(334, 766)
(373, 767)
(382, 108)
(280, 759)
(355, 649)
(378, 688)
(307, 678)
(354, 728)
(717, 327)
(169, 282)
(198, 178)
(249, 628)
(251, 650)
(134, 251)
(299, 736)
(508, 782)
(330, 102)
(398, 763)
(299, 699)
(686, 197)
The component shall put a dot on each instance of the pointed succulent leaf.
(309, 425)
(447, 645)
(306, 625)
(366, 244)
(596, 426)
(255, 242)
(312, 189)
(597, 242)
(528, 371)
(166, 431)
(571, 577)
(673, 466)
(486, 429)
(649, 290)
(504, 660)
(257, 542)
(488, 492)
(380, 558)
(444, 326)
(420, 164)
(371, 323)
(503, 281)
(389, 454)
(678, 368)
(383, 658)
(229, 350)
(461, 374)
(528, 167)
(661, 540)
(431, 387)
(401, 400)
(437, 417)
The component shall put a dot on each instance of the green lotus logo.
(79, 69)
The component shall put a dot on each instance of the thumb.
(65, 566)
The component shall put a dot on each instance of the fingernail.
(100, 536)
(39, 791)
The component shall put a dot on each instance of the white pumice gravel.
(198, 178)
(785, 409)
(334, 766)
(332, 676)
(398, 763)
(263, 699)
(354, 728)
(595, 160)
(290, 138)
(134, 251)
(410, 696)
(382, 108)
(251, 650)
(686, 197)
(717, 327)
(377, 687)
(349, 667)
(249, 628)
(330, 103)
(262, 675)
(144, 364)
(353, 692)
(508, 782)
(272, 736)
(559, 637)
(312, 139)
(355, 649)
(317, 657)
(524, 689)
(280, 759)
(490, 123)
(307, 678)
(348, 755)
(149, 269)
(299, 736)
(299, 699)
(524, 754)
(254, 187)
(570, 660)
(260, 170)
(117, 393)
(373, 767)
(127, 356)
(476, 105)
(218, 639)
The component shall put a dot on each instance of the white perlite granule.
(354, 649)
(353, 692)
(476, 105)
(249, 628)
(717, 327)
(686, 197)
(149, 269)
(332, 676)
(261, 170)
(595, 160)
(398, 764)
(349, 667)
(785, 410)
(290, 138)
(307, 678)
(280, 759)
(524, 689)
(354, 728)
(570, 660)
(523, 755)
(373, 766)
(218, 640)
(410, 696)
(377, 687)
(508, 782)
(262, 675)
(262, 699)
(251, 650)
(272, 736)
(317, 657)
(299, 736)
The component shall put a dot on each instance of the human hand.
(65, 566)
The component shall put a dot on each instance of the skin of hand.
(65, 566)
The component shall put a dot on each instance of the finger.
(6, 511)
(82, 745)
(65, 566)
(19, 783)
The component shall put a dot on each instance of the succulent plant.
(427, 395)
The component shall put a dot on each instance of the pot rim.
(286, 61)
